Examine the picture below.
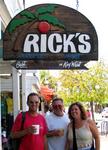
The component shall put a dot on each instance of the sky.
(95, 10)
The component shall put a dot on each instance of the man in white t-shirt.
(57, 122)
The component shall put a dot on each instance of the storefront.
(15, 84)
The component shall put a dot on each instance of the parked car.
(104, 112)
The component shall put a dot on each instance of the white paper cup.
(37, 129)
(62, 131)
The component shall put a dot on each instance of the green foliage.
(28, 14)
(85, 86)
(43, 76)
(51, 19)
(47, 79)
(80, 85)
(16, 23)
(41, 14)
(46, 9)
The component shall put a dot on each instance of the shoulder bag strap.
(74, 137)
(23, 119)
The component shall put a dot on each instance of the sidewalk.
(103, 142)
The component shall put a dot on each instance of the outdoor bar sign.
(50, 33)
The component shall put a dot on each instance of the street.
(103, 142)
(102, 125)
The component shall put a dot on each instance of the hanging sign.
(59, 64)
(50, 32)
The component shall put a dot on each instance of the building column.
(16, 92)
(24, 91)
(0, 116)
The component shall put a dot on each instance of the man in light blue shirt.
(57, 122)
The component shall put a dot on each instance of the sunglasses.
(57, 106)
(36, 102)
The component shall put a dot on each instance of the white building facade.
(17, 83)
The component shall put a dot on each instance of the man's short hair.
(57, 99)
(32, 94)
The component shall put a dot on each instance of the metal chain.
(24, 4)
(77, 4)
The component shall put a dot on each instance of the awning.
(46, 93)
